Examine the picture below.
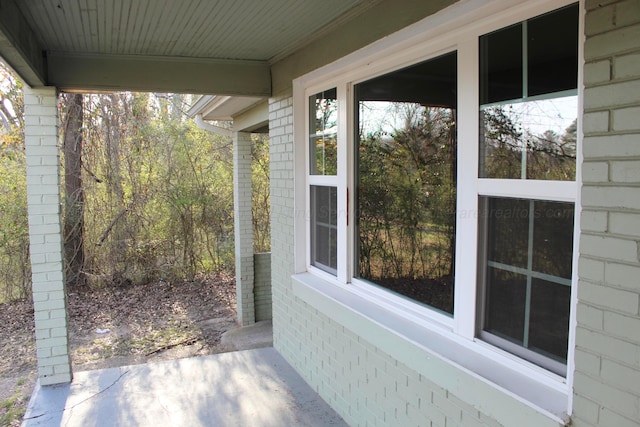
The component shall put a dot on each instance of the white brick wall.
(607, 378)
(43, 198)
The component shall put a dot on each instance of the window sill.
(464, 368)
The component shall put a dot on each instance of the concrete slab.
(243, 388)
(258, 335)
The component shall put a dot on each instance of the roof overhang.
(19, 45)
(226, 47)
(249, 114)
(222, 108)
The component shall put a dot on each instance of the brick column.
(243, 227)
(43, 198)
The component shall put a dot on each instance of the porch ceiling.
(202, 46)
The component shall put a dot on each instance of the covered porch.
(234, 52)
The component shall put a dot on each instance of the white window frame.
(429, 39)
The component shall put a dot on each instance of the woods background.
(147, 195)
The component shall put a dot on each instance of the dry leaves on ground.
(119, 326)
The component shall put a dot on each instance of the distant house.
(455, 189)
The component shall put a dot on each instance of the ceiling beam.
(87, 73)
(19, 46)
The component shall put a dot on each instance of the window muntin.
(528, 98)
(526, 264)
(406, 181)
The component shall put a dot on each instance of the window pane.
(552, 45)
(323, 127)
(553, 238)
(526, 256)
(501, 65)
(532, 140)
(506, 301)
(324, 228)
(406, 181)
(549, 323)
(509, 231)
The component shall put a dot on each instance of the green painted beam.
(379, 21)
(88, 73)
(18, 45)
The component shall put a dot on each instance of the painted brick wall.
(243, 224)
(262, 286)
(281, 182)
(607, 378)
(360, 381)
(43, 197)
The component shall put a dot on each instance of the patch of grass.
(12, 409)
(167, 335)
(102, 348)
(143, 341)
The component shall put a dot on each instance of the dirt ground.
(118, 327)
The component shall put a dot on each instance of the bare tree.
(74, 193)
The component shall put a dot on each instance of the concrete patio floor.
(243, 388)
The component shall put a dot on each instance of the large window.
(444, 189)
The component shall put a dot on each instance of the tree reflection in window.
(323, 126)
(406, 181)
(528, 98)
(529, 140)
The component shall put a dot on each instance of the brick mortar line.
(610, 261)
(599, 58)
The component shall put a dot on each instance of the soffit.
(223, 29)
(221, 108)
(202, 46)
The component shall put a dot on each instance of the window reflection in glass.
(406, 181)
(529, 140)
(323, 126)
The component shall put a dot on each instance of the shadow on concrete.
(252, 387)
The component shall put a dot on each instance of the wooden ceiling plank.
(176, 25)
(127, 16)
(202, 40)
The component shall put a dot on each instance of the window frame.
(396, 53)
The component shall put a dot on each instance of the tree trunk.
(74, 194)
